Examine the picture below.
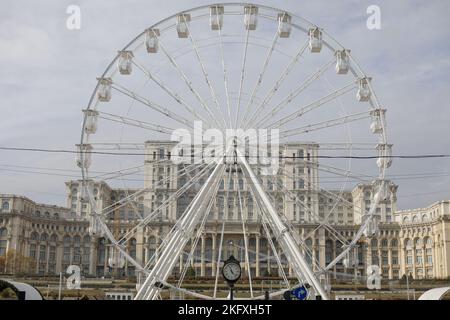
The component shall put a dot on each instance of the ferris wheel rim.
(375, 102)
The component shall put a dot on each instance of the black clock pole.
(231, 285)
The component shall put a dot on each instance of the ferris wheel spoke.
(180, 236)
(163, 110)
(169, 91)
(297, 261)
(345, 173)
(321, 221)
(326, 124)
(294, 233)
(188, 83)
(312, 214)
(278, 83)
(224, 70)
(317, 187)
(260, 77)
(264, 222)
(242, 76)
(131, 197)
(167, 202)
(312, 106)
(204, 72)
(219, 255)
(134, 122)
(293, 94)
(247, 261)
(120, 173)
(200, 230)
(317, 219)
(346, 146)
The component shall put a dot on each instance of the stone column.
(313, 253)
(213, 255)
(322, 247)
(47, 253)
(92, 257)
(424, 262)
(257, 255)
(435, 265)
(202, 259)
(59, 253)
(390, 262)
(181, 263)
(402, 258)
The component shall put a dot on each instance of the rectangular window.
(42, 253)
(409, 260)
(33, 251)
(52, 254)
(419, 260)
(2, 247)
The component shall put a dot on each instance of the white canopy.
(434, 294)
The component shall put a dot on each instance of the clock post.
(231, 272)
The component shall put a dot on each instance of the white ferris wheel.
(232, 66)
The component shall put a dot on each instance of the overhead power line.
(417, 156)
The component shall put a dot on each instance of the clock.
(231, 270)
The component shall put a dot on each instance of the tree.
(7, 291)
(190, 272)
(16, 263)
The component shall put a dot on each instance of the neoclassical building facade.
(412, 242)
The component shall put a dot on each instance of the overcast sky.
(47, 74)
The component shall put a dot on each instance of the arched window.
(56, 215)
(34, 236)
(53, 238)
(152, 241)
(101, 251)
(86, 239)
(424, 218)
(384, 243)
(408, 243)
(405, 220)
(132, 248)
(208, 249)
(415, 219)
(44, 237)
(3, 232)
(418, 242)
(5, 206)
(328, 251)
(308, 243)
(38, 213)
(374, 242)
(428, 241)
(394, 243)
(67, 240)
(46, 214)
(252, 249)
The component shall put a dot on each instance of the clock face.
(231, 271)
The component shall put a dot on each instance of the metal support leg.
(291, 250)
